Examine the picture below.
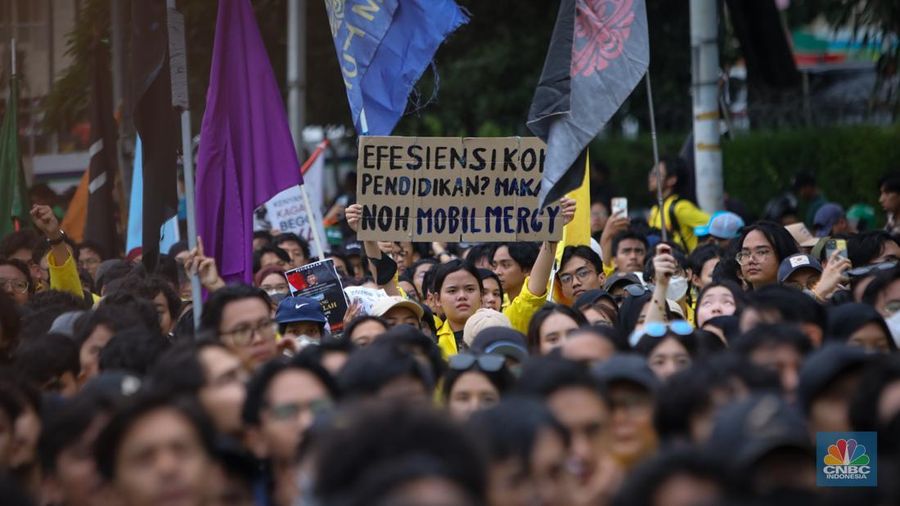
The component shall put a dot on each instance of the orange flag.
(76, 214)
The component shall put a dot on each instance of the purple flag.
(598, 53)
(246, 155)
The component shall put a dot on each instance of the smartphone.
(839, 245)
(619, 207)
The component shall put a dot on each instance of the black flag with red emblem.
(598, 53)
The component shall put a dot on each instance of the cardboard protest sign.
(453, 189)
(320, 281)
(365, 297)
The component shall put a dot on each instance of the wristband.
(386, 267)
(58, 240)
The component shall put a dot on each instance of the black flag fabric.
(598, 52)
(102, 212)
(155, 119)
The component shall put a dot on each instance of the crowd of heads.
(661, 375)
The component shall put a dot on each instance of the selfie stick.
(659, 183)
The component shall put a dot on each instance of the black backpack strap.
(673, 220)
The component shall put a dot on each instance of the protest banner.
(453, 189)
(286, 212)
(365, 297)
(320, 281)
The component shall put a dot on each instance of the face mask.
(678, 287)
(893, 323)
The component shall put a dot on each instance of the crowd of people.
(694, 365)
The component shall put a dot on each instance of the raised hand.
(567, 209)
(353, 215)
(45, 221)
(204, 267)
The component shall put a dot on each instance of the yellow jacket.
(65, 278)
(519, 312)
(688, 216)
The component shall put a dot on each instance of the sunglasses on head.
(487, 362)
(866, 270)
(634, 290)
(658, 330)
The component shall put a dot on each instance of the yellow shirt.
(688, 216)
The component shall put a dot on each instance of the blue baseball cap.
(299, 309)
(722, 225)
(826, 217)
(796, 262)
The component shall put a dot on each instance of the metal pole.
(705, 81)
(177, 55)
(296, 70)
(659, 180)
(12, 46)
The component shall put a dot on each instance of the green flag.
(13, 197)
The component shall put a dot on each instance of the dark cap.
(626, 367)
(748, 430)
(624, 278)
(825, 365)
(796, 262)
(826, 217)
(112, 385)
(299, 309)
(352, 248)
(503, 341)
(590, 297)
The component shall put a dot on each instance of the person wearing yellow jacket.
(680, 214)
(520, 309)
(63, 272)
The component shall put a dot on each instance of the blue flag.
(382, 48)
(168, 234)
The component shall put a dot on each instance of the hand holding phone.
(619, 207)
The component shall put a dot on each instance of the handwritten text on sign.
(453, 189)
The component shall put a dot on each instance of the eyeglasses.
(487, 363)
(759, 254)
(291, 410)
(243, 334)
(658, 330)
(582, 274)
(14, 285)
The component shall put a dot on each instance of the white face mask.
(893, 323)
(678, 287)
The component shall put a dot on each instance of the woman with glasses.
(550, 326)
(15, 280)
(763, 247)
(668, 347)
(475, 382)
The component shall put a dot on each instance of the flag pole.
(315, 232)
(178, 64)
(319, 151)
(659, 182)
(12, 45)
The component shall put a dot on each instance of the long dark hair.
(781, 240)
(534, 326)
